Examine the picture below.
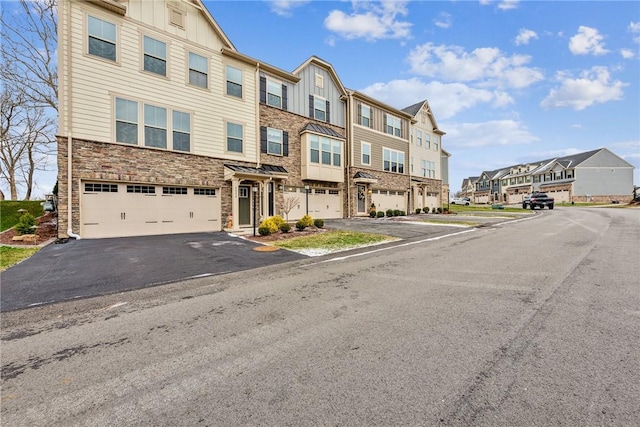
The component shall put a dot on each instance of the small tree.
(26, 224)
(288, 205)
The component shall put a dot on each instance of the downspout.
(257, 104)
(68, 115)
(349, 129)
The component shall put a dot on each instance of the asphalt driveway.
(92, 267)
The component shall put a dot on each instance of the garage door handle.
(123, 215)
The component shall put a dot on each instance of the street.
(532, 322)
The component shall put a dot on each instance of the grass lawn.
(10, 256)
(333, 240)
(9, 211)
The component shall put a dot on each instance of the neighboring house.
(311, 123)
(164, 127)
(594, 176)
(425, 158)
(446, 187)
(378, 167)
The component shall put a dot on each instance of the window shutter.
(284, 97)
(384, 125)
(263, 90)
(285, 143)
(311, 106)
(263, 139)
(328, 111)
(359, 114)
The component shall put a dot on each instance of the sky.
(508, 81)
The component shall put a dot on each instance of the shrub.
(318, 222)
(425, 209)
(380, 214)
(264, 230)
(389, 212)
(418, 210)
(403, 213)
(396, 212)
(307, 221)
(300, 225)
(278, 220)
(445, 210)
(434, 210)
(372, 213)
(271, 224)
(439, 210)
(25, 224)
(285, 227)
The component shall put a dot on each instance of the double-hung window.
(181, 131)
(102, 38)
(155, 56)
(274, 141)
(325, 151)
(274, 94)
(198, 70)
(436, 142)
(419, 138)
(393, 125)
(234, 137)
(234, 82)
(126, 121)
(393, 161)
(319, 109)
(427, 140)
(365, 115)
(366, 153)
(155, 126)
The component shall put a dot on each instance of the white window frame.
(154, 55)
(317, 100)
(183, 127)
(394, 157)
(270, 133)
(234, 137)
(436, 142)
(277, 95)
(191, 67)
(149, 115)
(419, 138)
(126, 119)
(362, 153)
(329, 150)
(364, 107)
(102, 38)
(427, 140)
(395, 123)
(228, 81)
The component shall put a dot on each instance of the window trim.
(87, 35)
(269, 142)
(226, 137)
(362, 107)
(392, 118)
(143, 53)
(241, 84)
(362, 145)
(274, 83)
(332, 153)
(391, 152)
(188, 71)
(323, 101)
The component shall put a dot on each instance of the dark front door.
(362, 199)
(244, 205)
(271, 199)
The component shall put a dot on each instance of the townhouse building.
(165, 127)
(593, 176)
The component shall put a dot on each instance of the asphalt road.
(533, 322)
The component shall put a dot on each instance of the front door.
(244, 205)
(362, 199)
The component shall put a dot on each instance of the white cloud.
(503, 5)
(525, 36)
(592, 87)
(588, 40)
(634, 27)
(446, 100)
(487, 134)
(285, 7)
(443, 20)
(627, 53)
(488, 66)
(371, 21)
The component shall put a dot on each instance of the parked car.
(461, 201)
(537, 199)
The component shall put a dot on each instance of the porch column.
(235, 211)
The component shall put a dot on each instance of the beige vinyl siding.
(377, 140)
(95, 84)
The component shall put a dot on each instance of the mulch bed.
(47, 229)
(309, 231)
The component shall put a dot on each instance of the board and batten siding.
(299, 100)
(378, 140)
(95, 82)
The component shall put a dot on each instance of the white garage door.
(116, 210)
(323, 203)
(561, 196)
(393, 200)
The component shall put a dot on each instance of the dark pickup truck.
(537, 199)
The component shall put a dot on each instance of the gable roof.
(324, 64)
(216, 28)
(415, 109)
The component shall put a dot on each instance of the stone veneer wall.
(99, 161)
(386, 181)
(293, 124)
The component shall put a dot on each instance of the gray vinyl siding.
(299, 94)
(601, 181)
(378, 141)
(378, 119)
(605, 158)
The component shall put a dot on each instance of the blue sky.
(508, 81)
